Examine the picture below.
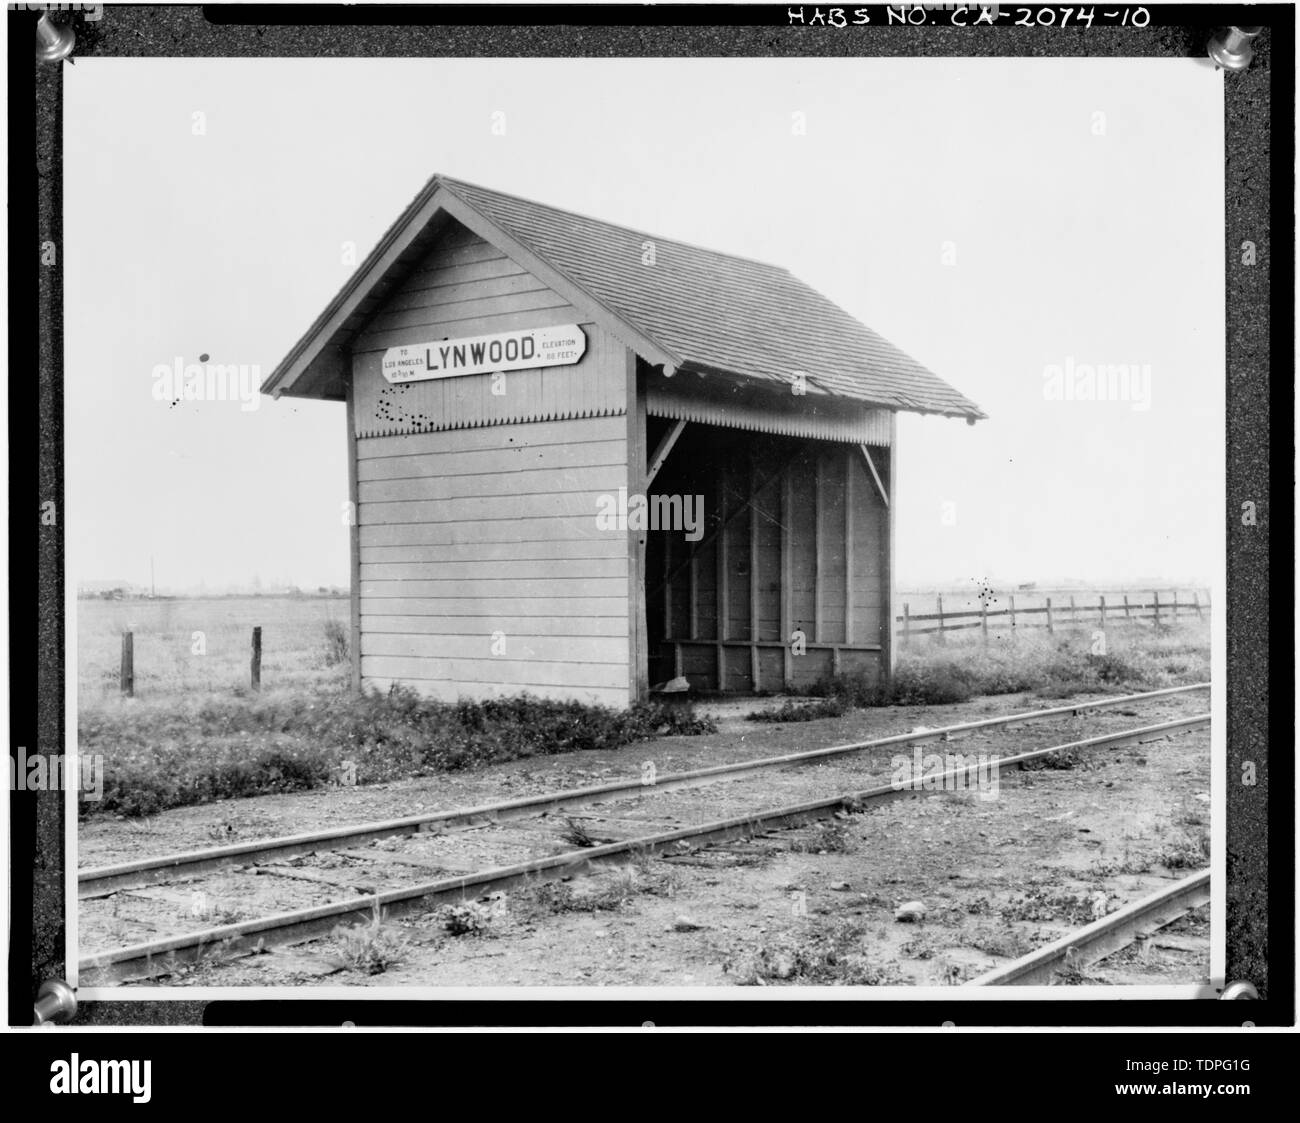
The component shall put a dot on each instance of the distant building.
(585, 459)
(110, 590)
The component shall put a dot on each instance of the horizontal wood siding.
(518, 673)
(510, 650)
(530, 481)
(576, 529)
(474, 608)
(466, 287)
(452, 691)
(488, 553)
(483, 570)
(436, 621)
(487, 571)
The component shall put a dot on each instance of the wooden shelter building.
(584, 459)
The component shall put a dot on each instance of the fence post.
(1156, 605)
(1175, 608)
(1103, 610)
(1126, 611)
(128, 664)
(255, 663)
(1196, 604)
(984, 622)
(1074, 612)
(907, 625)
(1011, 598)
(940, 600)
(1049, 616)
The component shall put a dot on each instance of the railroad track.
(1104, 937)
(648, 821)
(104, 880)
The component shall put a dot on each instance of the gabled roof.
(692, 310)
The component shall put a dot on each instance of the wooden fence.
(1066, 612)
(127, 675)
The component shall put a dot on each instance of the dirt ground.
(106, 839)
(995, 877)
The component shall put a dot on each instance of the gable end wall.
(481, 567)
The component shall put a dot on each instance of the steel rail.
(159, 956)
(1105, 936)
(104, 880)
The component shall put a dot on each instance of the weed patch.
(370, 948)
(576, 834)
(1190, 852)
(1006, 943)
(830, 838)
(833, 957)
(1050, 666)
(802, 711)
(471, 919)
(1042, 904)
(607, 892)
(163, 754)
(1063, 761)
(336, 643)
(557, 897)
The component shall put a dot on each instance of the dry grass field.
(200, 644)
(937, 669)
(195, 732)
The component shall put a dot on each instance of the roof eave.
(971, 414)
(439, 198)
(421, 210)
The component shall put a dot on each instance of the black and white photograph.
(666, 524)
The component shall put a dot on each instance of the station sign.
(485, 354)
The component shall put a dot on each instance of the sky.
(1010, 223)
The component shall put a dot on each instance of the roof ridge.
(711, 312)
(452, 183)
(448, 184)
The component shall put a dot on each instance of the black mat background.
(1260, 330)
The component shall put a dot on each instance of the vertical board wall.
(795, 538)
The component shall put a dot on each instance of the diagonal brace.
(661, 453)
(871, 467)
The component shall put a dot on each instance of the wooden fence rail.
(255, 661)
(948, 619)
(127, 675)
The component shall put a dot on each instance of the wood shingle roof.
(694, 309)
